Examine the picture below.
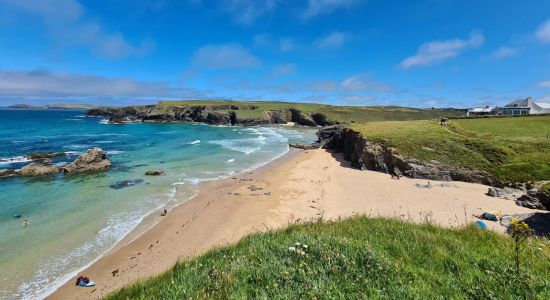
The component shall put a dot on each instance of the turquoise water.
(75, 219)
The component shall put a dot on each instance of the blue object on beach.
(89, 284)
(481, 224)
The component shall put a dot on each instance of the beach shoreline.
(297, 187)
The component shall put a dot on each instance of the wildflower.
(292, 249)
(297, 244)
(305, 246)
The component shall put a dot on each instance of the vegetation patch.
(356, 259)
(512, 149)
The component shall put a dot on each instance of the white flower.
(292, 249)
(297, 244)
(305, 246)
(302, 253)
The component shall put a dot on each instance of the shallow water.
(75, 219)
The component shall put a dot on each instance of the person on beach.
(25, 223)
(164, 213)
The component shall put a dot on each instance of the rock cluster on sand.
(94, 159)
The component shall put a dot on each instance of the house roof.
(543, 105)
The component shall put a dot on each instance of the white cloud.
(365, 82)
(333, 40)
(504, 52)
(437, 51)
(225, 56)
(283, 70)
(48, 85)
(544, 84)
(246, 12)
(65, 23)
(543, 32)
(322, 7)
(286, 45)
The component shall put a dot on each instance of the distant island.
(52, 106)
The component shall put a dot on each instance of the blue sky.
(422, 53)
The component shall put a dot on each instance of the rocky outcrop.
(535, 198)
(39, 168)
(7, 173)
(379, 156)
(214, 115)
(305, 146)
(94, 159)
(37, 156)
(507, 193)
(154, 173)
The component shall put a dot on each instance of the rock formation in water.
(39, 168)
(94, 159)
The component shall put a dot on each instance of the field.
(359, 258)
(344, 114)
(512, 149)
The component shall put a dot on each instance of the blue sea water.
(75, 219)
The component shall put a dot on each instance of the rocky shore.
(365, 154)
(213, 115)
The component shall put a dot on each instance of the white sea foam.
(104, 121)
(230, 160)
(194, 142)
(14, 160)
(114, 152)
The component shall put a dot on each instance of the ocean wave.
(104, 121)
(14, 160)
(230, 160)
(75, 120)
(194, 142)
(114, 152)
(76, 146)
(104, 142)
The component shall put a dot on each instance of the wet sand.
(300, 186)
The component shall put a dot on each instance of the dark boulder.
(36, 156)
(300, 118)
(7, 173)
(154, 173)
(126, 183)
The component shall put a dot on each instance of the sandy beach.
(301, 186)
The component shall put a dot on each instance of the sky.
(424, 53)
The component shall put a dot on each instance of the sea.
(74, 220)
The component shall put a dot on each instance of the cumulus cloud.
(543, 32)
(48, 85)
(245, 12)
(286, 45)
(322, 7)
(225, 56)
(544, 84)
(504, 52)
(437, 51)
(66, 25)
(334, 40)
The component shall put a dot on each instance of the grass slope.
(512, 149)
(345, 114)
(356, 259)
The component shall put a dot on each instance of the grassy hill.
(345, 114)
(511, 148)
(358, 258)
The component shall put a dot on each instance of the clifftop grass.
(358, 258)
(512, 149)
(343, 114)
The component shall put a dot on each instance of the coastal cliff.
(213, 115)
(379, 156)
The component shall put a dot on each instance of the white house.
(519, 107)
(523, 107)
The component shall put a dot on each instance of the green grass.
(343, 114)
(358, 258)
(512, 149)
